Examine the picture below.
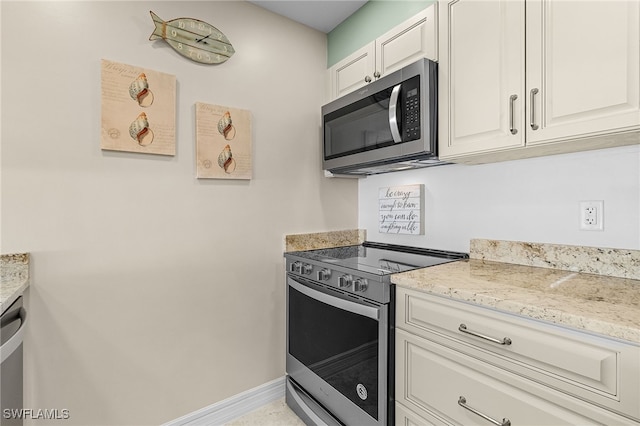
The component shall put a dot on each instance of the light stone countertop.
(600, 304)
(14, 277)
(612, 262)
(321, 240)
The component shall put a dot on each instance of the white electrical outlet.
(592, 215)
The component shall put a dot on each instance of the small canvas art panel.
(138, 109)
(223, 142)
(401, 210)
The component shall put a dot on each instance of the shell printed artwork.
(139, 130)
(226, 161)
(225, 126)
(140, 92)
(138, 109)
(223, 142)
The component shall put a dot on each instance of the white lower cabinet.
(445, 376)
(406, 417)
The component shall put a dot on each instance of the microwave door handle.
(393, 120)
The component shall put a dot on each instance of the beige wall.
(153, 293)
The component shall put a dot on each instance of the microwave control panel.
(411, 100)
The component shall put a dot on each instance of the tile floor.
(276, 413)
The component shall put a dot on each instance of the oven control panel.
(340, 278)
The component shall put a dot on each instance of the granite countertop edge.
(322, 240)
(14, 277)
(571, 299)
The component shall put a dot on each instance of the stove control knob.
(324, 274)
(296, 267)
(306, 269)
(345, 281)
(360, 285)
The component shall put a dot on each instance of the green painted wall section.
(372, 20)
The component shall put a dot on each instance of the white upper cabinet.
(582, 68)
(481, 75)
(413, 39)
(352, 72)
(567, 83)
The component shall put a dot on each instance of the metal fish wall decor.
(194, 39)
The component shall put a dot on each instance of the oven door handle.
(345, 305)
(10, 346)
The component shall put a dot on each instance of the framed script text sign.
(401, 210)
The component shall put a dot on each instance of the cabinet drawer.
(406, 417)
(433, 381)
(578, 363)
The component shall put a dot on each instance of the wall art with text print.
(401, 210)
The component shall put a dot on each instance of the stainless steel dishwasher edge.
(12, 323)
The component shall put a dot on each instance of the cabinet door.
(414, 39)
(481, 76)
(583, 72)
(351, 73)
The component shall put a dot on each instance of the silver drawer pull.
(504, 341)
(462, 401)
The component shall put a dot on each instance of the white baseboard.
(236, 406)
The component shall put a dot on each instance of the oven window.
(339, 346)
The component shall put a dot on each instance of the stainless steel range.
(340, 321)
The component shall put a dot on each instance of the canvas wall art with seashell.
(138, 109)
(140, 130)
(140, 92)
(225, 126)
(223, 142)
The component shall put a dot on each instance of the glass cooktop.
(381, 259)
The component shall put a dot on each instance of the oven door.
(337, 351)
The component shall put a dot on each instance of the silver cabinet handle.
(532, 97)
(393, 120)
(367, 79)
(512, 100)
(462, 401)
(504, 341)
(376, 74)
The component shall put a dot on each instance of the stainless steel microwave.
(388, 125)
